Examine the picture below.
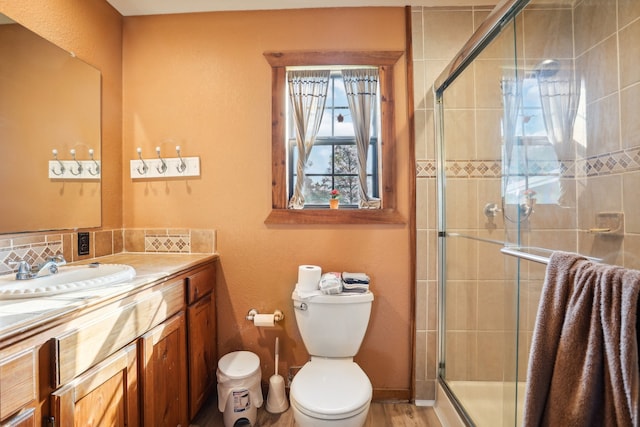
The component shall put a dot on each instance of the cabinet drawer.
(17, 381)
(200, 283)
(88, 345)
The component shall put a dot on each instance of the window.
(333, 162)
(386, 158)
(530, 160)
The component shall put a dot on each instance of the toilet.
(331, 389)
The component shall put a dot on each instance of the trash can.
(239, 390)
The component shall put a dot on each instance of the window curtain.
(559, 98)
(511, 99)
(361, 88)
(559, 101)
(308, 94)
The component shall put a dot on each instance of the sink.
(68, 279)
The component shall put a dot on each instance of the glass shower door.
(481, 285)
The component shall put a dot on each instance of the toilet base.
(304, 420)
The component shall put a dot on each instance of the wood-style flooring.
(380, 415)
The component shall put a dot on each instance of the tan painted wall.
(200, 81)
(93, 31)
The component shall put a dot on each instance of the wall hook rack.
(164, 167)
(74, 169)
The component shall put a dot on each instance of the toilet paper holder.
(277, 315)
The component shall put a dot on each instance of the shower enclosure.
(539, 150)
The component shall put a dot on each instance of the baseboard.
(391, 395)
(420, 402)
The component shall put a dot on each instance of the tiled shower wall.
(437, 35)
(603, 177)
(36, 248)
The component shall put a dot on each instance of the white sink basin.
(68, 279)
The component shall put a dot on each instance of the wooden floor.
(380, 415)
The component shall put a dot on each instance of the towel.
(351, 278)
(583, 365)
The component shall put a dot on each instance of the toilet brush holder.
(276, 396)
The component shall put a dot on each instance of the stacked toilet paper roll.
(308, 278)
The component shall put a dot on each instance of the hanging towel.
(583, 365)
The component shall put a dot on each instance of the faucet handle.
(58, 259)
(24, 269)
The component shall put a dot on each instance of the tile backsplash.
(36, 248)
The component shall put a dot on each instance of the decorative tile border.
(616, 162)
(166, 242)
(621, 161)
(34, 253)
(37, 248)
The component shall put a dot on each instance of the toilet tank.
(333, 325)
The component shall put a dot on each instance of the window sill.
(334, 216)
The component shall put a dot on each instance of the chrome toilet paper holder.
(278, 315)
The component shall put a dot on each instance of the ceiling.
(156, 7)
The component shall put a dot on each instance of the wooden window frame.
(280, 214)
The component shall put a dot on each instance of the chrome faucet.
(26, 272)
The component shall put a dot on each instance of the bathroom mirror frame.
(51, 101)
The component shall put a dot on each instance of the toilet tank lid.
(239, 364)
(342, 298)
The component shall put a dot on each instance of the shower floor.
(490, 404)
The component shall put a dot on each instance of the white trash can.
(239, 390)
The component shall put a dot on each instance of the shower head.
(547, 68)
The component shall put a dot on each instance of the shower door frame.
(499, 17)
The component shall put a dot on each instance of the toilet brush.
(276, 396)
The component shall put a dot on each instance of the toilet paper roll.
(264, 320)
(308, 278)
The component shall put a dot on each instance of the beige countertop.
(20, 315)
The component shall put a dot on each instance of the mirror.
(49, 100)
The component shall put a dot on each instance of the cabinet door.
(164, 374)
(26, 418)
(104, 396)
(201, 319)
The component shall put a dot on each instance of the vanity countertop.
(20, 315)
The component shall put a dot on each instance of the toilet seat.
(331, 389)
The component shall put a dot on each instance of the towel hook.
(95, 171)
(53, 169)
(182, 166)
(162, 168)
(145, 168)
(79, 170)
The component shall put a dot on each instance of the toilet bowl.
(331, 390)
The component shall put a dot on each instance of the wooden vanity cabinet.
(201, 332)
(147, 359)
(163, 365)
(104, 396)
